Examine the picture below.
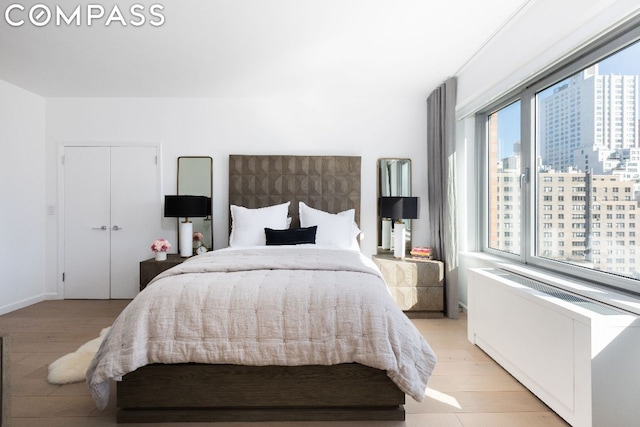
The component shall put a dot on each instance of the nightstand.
(150, 268)
(415, 284)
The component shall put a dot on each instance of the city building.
(588, 121)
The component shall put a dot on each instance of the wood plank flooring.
(467, 388)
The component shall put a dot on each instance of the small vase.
(161, 256)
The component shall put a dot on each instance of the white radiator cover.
(580, 357)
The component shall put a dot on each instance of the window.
(503, 167)
(569, 134)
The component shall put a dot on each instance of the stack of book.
(421, 253)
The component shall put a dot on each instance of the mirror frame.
(402, 191)
(199, 224)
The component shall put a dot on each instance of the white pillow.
(336, 230)
(247, 225)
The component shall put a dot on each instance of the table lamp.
(185, 207)
(397, 209)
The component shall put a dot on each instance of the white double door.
(112, 213)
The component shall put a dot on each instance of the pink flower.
(160, 245)
(197, 236)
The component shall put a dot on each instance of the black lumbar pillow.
(291, 236)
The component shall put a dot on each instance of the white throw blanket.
(266, 306)
(72, 367)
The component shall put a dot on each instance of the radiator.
(580, 357)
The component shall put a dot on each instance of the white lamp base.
(186, 239)
(400, 238)
(386, 233)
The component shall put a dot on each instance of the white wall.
(22, 195)
(367, 127)
(545, 32)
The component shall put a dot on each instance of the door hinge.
(63, 277)
(62, 160)
(156, 160)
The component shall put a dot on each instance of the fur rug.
(72, 367)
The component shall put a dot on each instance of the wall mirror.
(394, 180)
(195, 178)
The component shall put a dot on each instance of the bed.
(266, 333)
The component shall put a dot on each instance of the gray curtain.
(441, 188)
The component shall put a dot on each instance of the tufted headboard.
(329, 183)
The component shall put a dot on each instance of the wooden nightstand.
(150, 268)
(415, 284)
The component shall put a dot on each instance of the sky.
(508, 129)
(625, 62)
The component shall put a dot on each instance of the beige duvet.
(266, 306)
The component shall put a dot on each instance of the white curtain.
(441, 188)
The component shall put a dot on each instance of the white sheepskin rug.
(72, 367)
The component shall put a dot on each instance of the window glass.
(503, 177)
(588, 150)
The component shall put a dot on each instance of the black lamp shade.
(185, 206)
(399, 207)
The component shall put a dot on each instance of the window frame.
(484, 182)
(594, 52)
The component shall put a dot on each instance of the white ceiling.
(238, 48)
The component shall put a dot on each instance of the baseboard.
(8, 308)
(463, 308)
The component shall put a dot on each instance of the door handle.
(116, 228)
(103, 228)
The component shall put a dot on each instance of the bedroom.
(261, 113)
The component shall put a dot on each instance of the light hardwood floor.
(467, 388)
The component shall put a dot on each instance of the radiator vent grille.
(560, 294)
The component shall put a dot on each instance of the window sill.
(593, 291)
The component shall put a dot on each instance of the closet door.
(135, 215)
(86, 222)
(112, 214)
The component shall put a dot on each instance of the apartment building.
(583, 219)
(589, 121)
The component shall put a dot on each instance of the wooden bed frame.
(224, 393)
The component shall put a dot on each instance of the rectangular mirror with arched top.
(195, 178)
(394, 180)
